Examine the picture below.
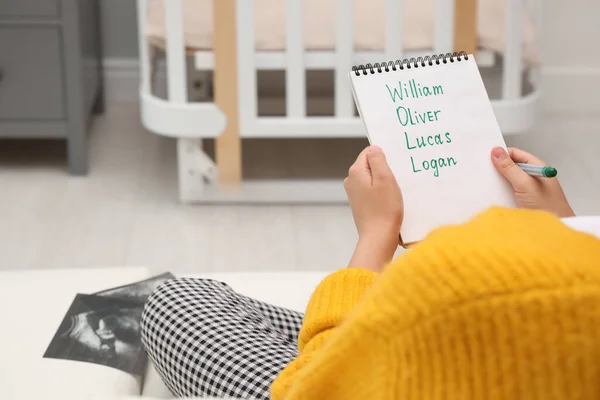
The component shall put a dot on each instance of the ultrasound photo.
(136, 292)
(101, 330)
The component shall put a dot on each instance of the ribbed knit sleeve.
(332, 300)
(505, 306)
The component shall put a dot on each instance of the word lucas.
(435, 163)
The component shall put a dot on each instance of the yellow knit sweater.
(506, 306)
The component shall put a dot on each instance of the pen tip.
(550, 172)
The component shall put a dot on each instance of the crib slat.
(443, 26)
(513, 52)
(295, 87)
(227, 89)
(344, 49)
(248, 107)
(393, 29)
(465, 26)
(176, 66)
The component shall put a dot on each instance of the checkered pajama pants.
(205, 339)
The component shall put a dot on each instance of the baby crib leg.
(196, 170)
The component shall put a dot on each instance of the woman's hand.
(531, 192)
(377, 208)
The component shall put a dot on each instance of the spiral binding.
(407, 63)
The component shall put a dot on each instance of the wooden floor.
(126, 213)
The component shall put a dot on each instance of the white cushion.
(285, 289)
(154, 386)
(585, 224)
(33, 305)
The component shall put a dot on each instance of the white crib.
(234, 60)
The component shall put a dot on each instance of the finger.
(521, 156)
(518, 178)
(360, 166)
(361, 161)
(378, 163)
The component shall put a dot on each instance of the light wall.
(572, 33)
(571, 53)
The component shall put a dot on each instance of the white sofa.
(34, 302)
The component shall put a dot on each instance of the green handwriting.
(406, 116)
(431, 140)
(433, 164)
(413, 90)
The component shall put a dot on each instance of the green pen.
(543, 171)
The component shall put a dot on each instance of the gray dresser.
(51, 72)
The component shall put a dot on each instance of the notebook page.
(437, 127)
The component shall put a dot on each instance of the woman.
(506, 305)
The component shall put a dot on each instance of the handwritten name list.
(408, 117)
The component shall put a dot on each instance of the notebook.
(435, 123)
